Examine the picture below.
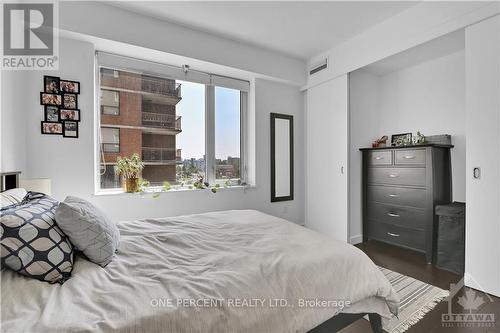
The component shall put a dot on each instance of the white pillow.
(88, 229)
(12, 197)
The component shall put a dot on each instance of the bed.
(229, 271)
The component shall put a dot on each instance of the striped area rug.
(417, 298)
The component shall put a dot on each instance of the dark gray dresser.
(401, 187)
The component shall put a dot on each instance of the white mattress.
(217, 261)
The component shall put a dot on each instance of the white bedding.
(219, 258)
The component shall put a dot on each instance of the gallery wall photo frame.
(70, 101)
(52, 113)
(69, 114)
(52, 128)
(51, 84)
(50, 99)
(68, 86)
(70, 129)
(60, 106)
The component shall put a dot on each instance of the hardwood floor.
(413, 264)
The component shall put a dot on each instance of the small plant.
(167, 186)
(419, 139)
(130, 169)
(143, 184)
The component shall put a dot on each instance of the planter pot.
(131, 185)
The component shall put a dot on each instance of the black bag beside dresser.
(401, 187)
(451, 237)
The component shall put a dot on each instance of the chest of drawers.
(401, 187)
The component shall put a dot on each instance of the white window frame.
(146, 67)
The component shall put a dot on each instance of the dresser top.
(409, 147)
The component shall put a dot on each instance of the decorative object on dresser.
(401, 139)
(401, 186)
(382, 142)
(419, 139)
(60, 100)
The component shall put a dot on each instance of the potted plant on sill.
(130, 169)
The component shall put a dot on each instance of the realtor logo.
(29, 36)
(471, 316)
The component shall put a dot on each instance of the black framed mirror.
(281, 157)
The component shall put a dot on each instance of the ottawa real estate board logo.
(470, 313)
(30, 36)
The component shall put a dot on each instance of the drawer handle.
(379, 158)
(409, 157)
(393, 235)
(394, 195)
(392, 214)
(393, 175)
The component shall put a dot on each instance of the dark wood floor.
(413, 264)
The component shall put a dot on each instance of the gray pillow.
(88, 229)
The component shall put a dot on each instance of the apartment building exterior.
(138, 115)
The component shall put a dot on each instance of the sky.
(227, 121)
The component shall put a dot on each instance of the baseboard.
(356, 239)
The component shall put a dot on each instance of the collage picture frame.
(60, 101)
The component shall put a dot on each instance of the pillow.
(31, 242)
(88, 229)
(12, 197)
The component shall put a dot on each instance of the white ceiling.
(298, 29)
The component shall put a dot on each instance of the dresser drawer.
(401, 196)
(382, 157)
(389, 233)
(397, 176)
(401, 216)
(409, 157)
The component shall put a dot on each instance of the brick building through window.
(138, 115)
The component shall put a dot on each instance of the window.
(183, 125)
(110, 102)
(227, 135)
(110, 139)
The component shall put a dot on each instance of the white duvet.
(231, 271)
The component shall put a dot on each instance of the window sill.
(158, 190)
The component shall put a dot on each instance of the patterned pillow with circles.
(31, 242)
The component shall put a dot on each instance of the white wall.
(364, 96)
(428, 97)
(70, 162)
(482, 256)
(13, 128)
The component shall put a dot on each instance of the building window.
(182, 129)
(227, 135)
(110, 102)
(110, 138)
